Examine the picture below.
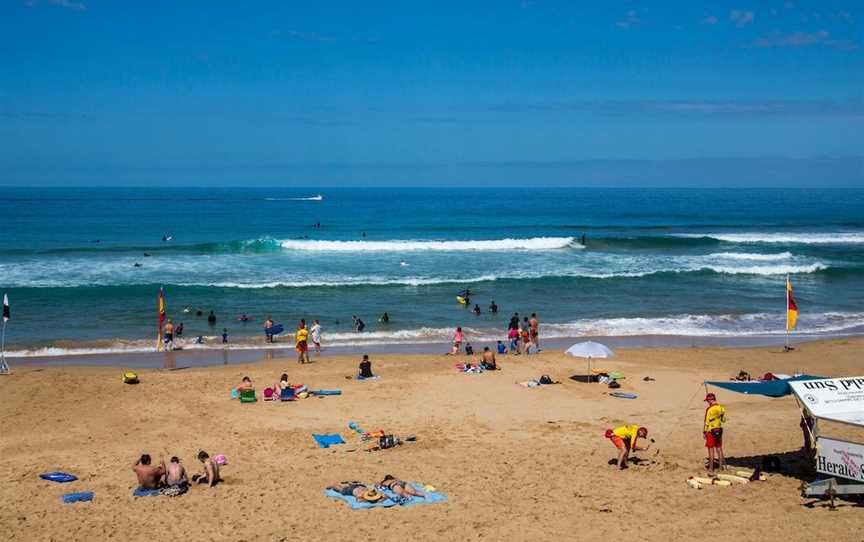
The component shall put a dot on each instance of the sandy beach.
(516, 463)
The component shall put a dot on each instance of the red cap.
(710, 397)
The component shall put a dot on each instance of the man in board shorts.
(715, 417)
(624, 438)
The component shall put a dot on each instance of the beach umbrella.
(589, 350)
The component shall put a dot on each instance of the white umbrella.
(590, 350)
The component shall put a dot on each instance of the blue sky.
(218, 92)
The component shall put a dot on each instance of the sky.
(747, 93)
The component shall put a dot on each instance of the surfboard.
(622, 395)
(461, 300)
(277, 329)
(693, 483)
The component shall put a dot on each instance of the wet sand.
(516, 463)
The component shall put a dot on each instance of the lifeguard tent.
(839, 401)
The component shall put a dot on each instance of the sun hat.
(372, 495)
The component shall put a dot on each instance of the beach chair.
(248, 396)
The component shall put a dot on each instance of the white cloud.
(741, 18)
(69, 4)
(631, 19)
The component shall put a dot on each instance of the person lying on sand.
(400, 487)
(211, 470)
(355, 489)
(149, 476)
(624, 438)
(176, 474)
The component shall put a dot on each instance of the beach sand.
(516, 463)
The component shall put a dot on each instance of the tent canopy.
(836, 399)
(768, 388)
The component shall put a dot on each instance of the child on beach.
(458, 337)
(224, 335)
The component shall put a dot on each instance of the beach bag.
(130, 377)
(387, 441)
(614, 384)
(545, 379)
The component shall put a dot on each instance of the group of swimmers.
(172, 478)
(523, 337)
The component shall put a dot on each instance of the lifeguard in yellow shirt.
(302, 346)
(624, 438)
(715, 417)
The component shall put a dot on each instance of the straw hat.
(372, 495)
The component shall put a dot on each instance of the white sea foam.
(815, 238)
(319, 197)
(535, 243)
(751, 256)
(767, 269)
(687, 325)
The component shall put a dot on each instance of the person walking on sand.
(534, 329)
(315, 335)
(715, 417)
(624, 438)
(302, 339)
(458, 337)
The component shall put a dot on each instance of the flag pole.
(4, 367)
(786, 297)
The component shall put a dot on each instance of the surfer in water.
(167, 237)
(466, 296)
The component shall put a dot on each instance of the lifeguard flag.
(791, 307)
(161, 308)
(6, 315)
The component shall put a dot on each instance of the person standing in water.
(268, 326)
(534, 331)
(211, 318)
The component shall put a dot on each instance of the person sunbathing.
(355, 489)
(149, 476)
(400, 487)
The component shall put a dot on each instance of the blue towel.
(391, 500)
(76, 497)
(326, 392)
(324, 441)
(141, 492)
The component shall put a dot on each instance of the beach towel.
(391, 500)
(78, 497)
(324, 441)
(141, 492)
(59, 477)
(468, 369)
(248, 396)
(326, 392)
(287, 394)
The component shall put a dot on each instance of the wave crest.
(535, 243)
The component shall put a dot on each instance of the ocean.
(655, 262)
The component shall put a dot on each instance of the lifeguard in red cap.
(715, 417)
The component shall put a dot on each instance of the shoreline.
(249, 353)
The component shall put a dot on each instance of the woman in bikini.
(400, 487)
(356, 489)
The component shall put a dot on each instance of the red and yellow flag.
(791, 307)
(161, 308)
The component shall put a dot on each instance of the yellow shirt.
(715, 417)
(302, 335)
(627, 432)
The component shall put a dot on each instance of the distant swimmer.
(187, 309)
(211, 318)
(243, 318)
(138, 264)
(385, 318)
(97, 240)
(199, 312)
(167, 237)
(493, 308)
(146, 254)
(476, 310)
(583, 240)
(364, 234)
(404, 264)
